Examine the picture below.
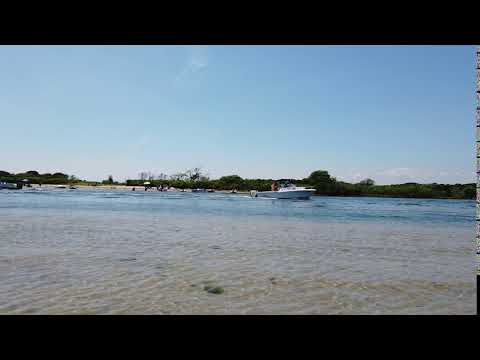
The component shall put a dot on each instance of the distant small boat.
(10, 186)
(210, 190)
(60, 187)
(199, 190)
(289, 191)
(72, 187)
(233, 191)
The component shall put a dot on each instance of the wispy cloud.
(197, 61)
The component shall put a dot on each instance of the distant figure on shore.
(274, 186)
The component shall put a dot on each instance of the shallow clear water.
(122, 252)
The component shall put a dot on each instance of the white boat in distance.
(286, 192)
(9, 186)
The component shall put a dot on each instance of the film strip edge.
(477, 236)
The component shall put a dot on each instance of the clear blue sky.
(392, 113)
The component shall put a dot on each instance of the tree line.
(36, 178)
(323, 183)
(321, 180)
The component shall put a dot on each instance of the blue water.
(115, 251)
(455, 212)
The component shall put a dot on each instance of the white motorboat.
(289, 191)
(61, 187)
(10, 186)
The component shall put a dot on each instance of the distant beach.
(121, 187)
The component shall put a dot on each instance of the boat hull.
(10, 186)
(294, 194)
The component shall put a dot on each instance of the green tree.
(367, 182)
(469, 192)
(194, 174)
(230, 182)
(319, 176)
(322, 181)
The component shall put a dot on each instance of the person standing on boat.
(274, 186)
